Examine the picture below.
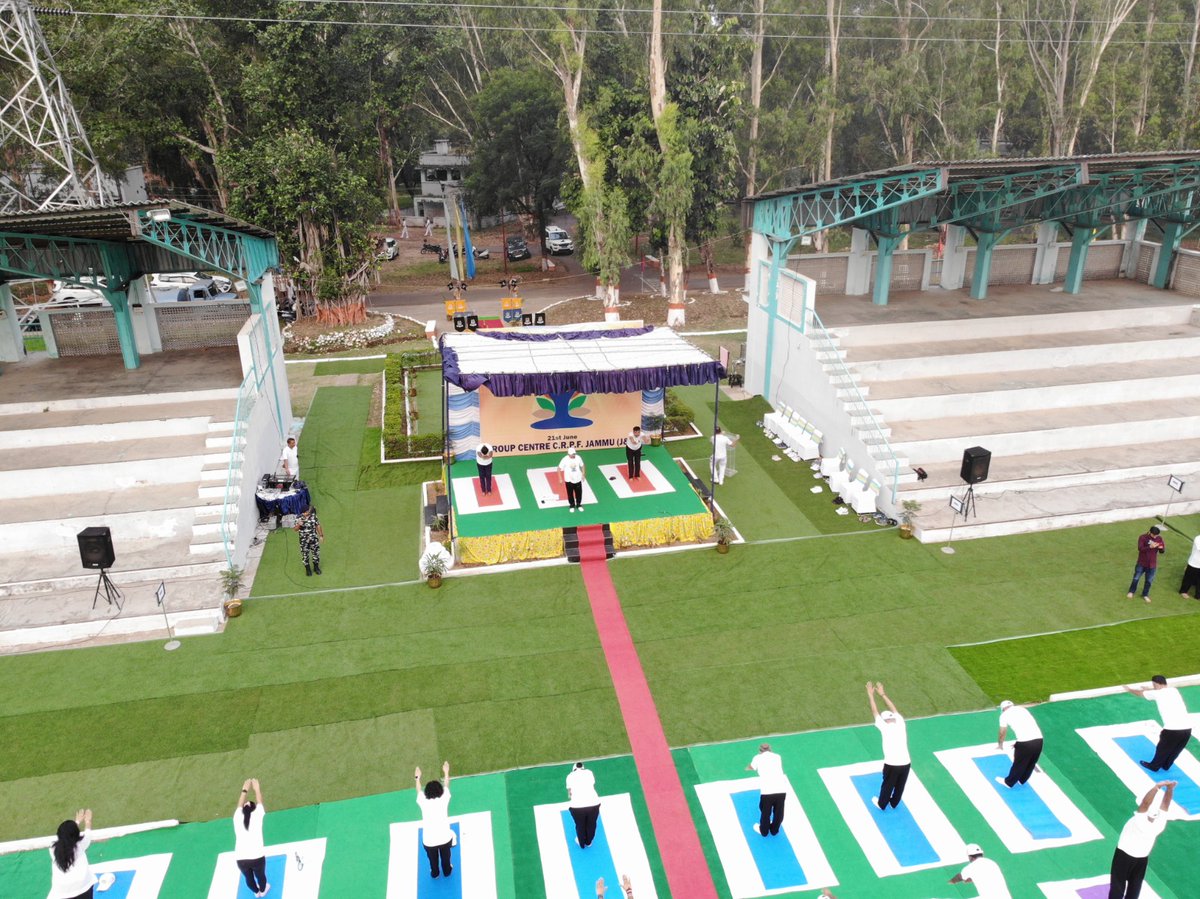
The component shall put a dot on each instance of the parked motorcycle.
(432, 248)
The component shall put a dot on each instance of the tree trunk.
(673, 262)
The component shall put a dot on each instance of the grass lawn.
(333, 687)
(350, 367)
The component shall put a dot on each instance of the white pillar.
(12, 343)
(758, 256)
(954, 258)
(858, 265)
(1133, 233)
(1047, 253)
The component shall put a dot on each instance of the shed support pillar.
(883, 269)
(1172, 237)
(1080, 241)
(119, 300)
(1046, 261)
(12, 342)
(858, 265)
(954, 258)
(985, 243)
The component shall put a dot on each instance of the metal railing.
(248, 393)
(857, 406)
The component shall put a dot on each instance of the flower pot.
(656, 441)
(906, 530)
(434, 581)
(412, 391)
(722, 547)
(233, 608)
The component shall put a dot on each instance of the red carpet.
(683, 858)
(487, 499)
(641, 485)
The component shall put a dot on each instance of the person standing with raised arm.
(436, 834)
(896, 761)
(1132, 855)
(249, 850)
(1176, 722)
(71, 876)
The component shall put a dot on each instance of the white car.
(558, 240)
(176, 280)
(66, 292)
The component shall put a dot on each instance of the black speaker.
(473, 322)
(526, 319)
(975, 464)
(539, 318)
(460, 323)
(95, 548)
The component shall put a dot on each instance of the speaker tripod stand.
(969, 503)
(112, 593)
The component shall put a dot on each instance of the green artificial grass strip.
(375, 475)
(350, 367)
(608, 506)
(429, 400)
(1030, 669)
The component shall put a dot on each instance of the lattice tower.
(46, 161)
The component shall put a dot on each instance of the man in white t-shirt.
(896, 761)
(721, 445)
(1132, 854)
(289, 459)
(584, 804)
(984, 873)
(1176, 722)
(633, 453)
(772, 790)
(1191, 574)
(1027, 745)
(572, 470)
(437, 836)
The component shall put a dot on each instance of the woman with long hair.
(70, 874)
(436, 834)
(248, 847)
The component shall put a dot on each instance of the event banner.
(540, 424)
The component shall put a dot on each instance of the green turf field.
(357, 834)
(505, 670)
(350, 367)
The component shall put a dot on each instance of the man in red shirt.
(1150, 545)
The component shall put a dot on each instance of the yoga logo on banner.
(551, 422)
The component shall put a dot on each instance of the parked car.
(197, 291)
(517, 249)
(174, 280)
(388, 249)
(558, 240)
(66, 292)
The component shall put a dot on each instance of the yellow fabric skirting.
(662, 531)
(523, 546)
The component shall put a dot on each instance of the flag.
(468, 250)
(450, 243)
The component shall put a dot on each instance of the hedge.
(397, 443)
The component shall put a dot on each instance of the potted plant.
(723, 530)
(907, 516)
(232, 581)
(433, 566)
(654, 424)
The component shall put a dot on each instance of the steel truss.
(50, 164)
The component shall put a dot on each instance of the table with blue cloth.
(272, 501)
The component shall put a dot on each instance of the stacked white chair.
(866, 500)
(840, 479)
(855, 490)
(831, 464)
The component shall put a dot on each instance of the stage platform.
(524, 516)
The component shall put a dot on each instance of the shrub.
(397, 443)
(679, 415)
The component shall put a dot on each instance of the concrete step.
(98, 503)
(1004, 326)
(942, 360)
(60, 534)
(38, 461)
(853, 393)
(85, 438)
(1027, 511)
(66, 482)
(217, 491)
(208, 531)
(46, 417)
(224, 441)
(986, 382)
(47, 576)
(1023, 433)
(1048, 471)
(125, 403)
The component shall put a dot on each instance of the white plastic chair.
(866, 500)
(830, 464)
(855, 488)
(840, 479)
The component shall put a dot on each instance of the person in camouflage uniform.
(311, 535)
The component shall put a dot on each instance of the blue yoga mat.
(442, 887)
(1187, 794)
(899, 829)
(1022, 800)
(773, 856)
(276, 864)
(121, 886)
(592, 863)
